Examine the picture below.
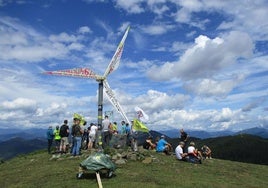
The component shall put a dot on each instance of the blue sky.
(195, 64)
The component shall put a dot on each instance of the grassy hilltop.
(37, 170)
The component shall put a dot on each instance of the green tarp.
(98, 161)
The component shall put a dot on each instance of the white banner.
(114, 63)
(142, 116)
(114, 101)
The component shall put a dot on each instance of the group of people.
(92, 137)
(160, 145)
(95, 136)
(189, 154)
(60, 136)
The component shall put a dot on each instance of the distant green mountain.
(17, 146)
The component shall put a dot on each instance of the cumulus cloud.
(22, 43)
(206, 57)
(155, 100)
(210, 87)
(18, 104)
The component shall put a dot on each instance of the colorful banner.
(139, 126)
(114, 63)
(76, 72)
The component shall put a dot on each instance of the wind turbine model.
(87, 73)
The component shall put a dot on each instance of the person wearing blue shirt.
(50, 137)
(123, 128)
(163, 146)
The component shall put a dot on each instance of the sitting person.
(163, 146)
(195, 156)
(179, 152)
(148, 144)
(206, 151)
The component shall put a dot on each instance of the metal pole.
(100, 109)
(100, 103)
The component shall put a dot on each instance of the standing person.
(50, 137)
(92, 135)
(179, 152)
(64, 134)
(77, 133)
(184, 138)
(123, 128)
(163, 146)
(129, 133)
(105, 131)
(57, 138)
(115, 128)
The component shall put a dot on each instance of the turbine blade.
(76, 72)
(114, 63)
(113, 100)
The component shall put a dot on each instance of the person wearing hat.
(195, 156)
(77, 133)
(179, 152)
(163, 146)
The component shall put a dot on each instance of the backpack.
(63, 131)
(76, 130)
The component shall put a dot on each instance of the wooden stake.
(99, 179)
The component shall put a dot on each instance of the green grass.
(36, 170)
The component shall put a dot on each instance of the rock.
(120, 161)
(147, 160)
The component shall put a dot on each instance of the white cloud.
(206, 57)
(19, 103)
(134, 7)
(84, 29)
(63, 37)
(24, 44)
(214, 88)
(157, 29)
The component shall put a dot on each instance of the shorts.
(91, 137)
(64, 141)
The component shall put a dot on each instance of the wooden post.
(99, 179)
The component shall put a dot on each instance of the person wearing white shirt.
(92, 135)
(179, 152)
